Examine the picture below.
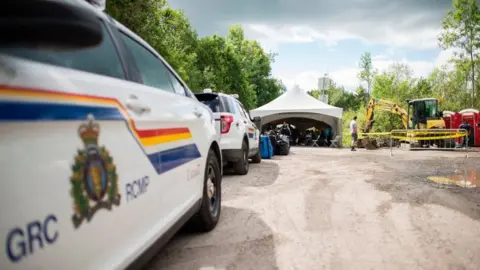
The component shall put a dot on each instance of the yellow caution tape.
(414, 135)
(428, 132)
(453, 136)
(374, 133)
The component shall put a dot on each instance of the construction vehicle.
(424, 114)
(421, 114)
(383, 105)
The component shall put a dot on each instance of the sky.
(317, 37)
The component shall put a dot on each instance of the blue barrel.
(266, 149)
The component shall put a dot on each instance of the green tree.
(366, 73)
(314, 93)
(462, 30)
(257, 65)
(167, 30)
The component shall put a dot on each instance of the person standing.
(286, 129)
(468, 128)
(354, 132)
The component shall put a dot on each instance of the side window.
(102, 59)
(240, 109)
(152, 70)
(245, 111)
(177, 86)
(226, 105)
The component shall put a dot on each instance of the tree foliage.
(367, 73)
(229, 64)
(462, 31)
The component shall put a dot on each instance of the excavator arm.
(383, 105)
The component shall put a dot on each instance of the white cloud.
(406, 23)
(444, 57)
(271, 36)
(348, 76)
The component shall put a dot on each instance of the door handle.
(137, 106)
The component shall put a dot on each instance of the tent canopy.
(297, 101)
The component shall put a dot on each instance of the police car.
(105, 152)
(240, 137)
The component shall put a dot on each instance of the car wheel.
(209, 213)
(257, 158)
(241, 166)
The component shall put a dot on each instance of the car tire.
(208, 215)
(241, 166)
(257, 158)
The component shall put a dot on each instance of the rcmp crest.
(94, 182)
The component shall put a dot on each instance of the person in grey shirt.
(354, 132)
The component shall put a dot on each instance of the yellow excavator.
(421, 114)
(383, 105)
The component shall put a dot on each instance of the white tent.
(297, 103)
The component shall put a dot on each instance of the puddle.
(466, 178)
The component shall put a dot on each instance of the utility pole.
(473, 78)
(324, 91)
(324, 77)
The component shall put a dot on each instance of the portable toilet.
(452, 119)
(472, 117)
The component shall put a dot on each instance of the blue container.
(266, 149)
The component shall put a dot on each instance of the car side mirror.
(56, 24)
(257, 119)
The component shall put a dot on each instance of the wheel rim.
(212, 190)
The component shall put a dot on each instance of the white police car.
(240, 137)
(105, 152)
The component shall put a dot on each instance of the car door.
(203, 127)
(177, 143)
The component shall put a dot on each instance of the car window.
(246, 113)
(226, 105)
(177, 86)
(152, 70)
(102, 59)
(240, 109)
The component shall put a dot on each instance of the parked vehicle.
(106, 152)
(240, 137)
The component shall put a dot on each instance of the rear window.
(212, 101)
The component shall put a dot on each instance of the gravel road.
(336, 209)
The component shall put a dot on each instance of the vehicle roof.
(421, 99)
(217, 94)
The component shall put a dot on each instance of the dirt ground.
(335, 209)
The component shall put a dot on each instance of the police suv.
(104, 149)
(240, 137)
